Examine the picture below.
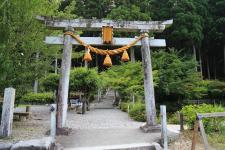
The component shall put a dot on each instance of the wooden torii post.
(144, 27)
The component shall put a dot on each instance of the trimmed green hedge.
(38, 98)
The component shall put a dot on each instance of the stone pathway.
(102, 126)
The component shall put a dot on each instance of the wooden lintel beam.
(97, 24)
(97, 41)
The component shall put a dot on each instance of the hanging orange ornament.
(87, 56)
(125, 56)
(107, 62)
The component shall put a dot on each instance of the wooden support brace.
(202, 130)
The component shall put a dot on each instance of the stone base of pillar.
(148, 128)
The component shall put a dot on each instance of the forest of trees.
(198, 31)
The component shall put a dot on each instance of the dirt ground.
(33, 128)
(185, 140)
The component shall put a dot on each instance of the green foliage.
(50, 82)
(126, 78)
(177, 75)
(210, 124)
(81, 79)
(84, 80)
(197, 24)
(173, 75)
(38, 98)
(216, 89)
(24, 38)
(137, 112)
(124, 106)
(173, 118)
(126, 13)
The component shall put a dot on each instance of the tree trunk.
(148, 83)
(56, 65)
(224, 58)
(208, 68)
(36, 80)
(195, 56)
(200, 63)
(214, 61)
(63, 88)
(36, 86)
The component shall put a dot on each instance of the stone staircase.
(106, 102)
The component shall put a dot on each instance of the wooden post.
(7, 112)
(181, 121)
(63, 88)
(148, 82)
(27, 108)
(53, 122)
(84, 107)
(195, 132)
(164, 126)
(202, 130)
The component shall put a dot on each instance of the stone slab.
(36, 144)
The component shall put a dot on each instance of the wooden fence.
(199, 124)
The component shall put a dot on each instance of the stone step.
(135, 146)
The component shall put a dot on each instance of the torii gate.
(97, 25)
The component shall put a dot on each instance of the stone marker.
(35, 144)
(5, 146)
(7, 112)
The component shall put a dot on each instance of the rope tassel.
(87, 56)
(125, 56)
(107, 61)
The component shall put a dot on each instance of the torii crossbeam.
(144, 27)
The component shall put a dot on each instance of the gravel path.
(101, 119)
(104, 126)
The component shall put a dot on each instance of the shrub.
(216, 89)
(84, 80)
(210, 124)
(137, 112)
(173, 118)
(50, 82)
(124, 106)
(38, 98)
